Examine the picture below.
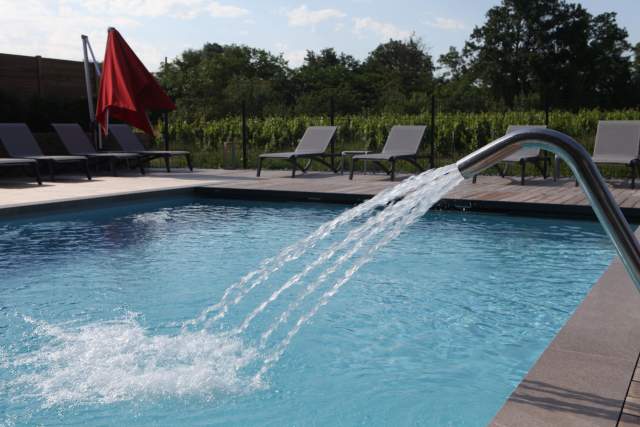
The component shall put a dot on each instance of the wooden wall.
(25, 77)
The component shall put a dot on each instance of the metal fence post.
(165, 129)
(245, 135)
(333, 140)
(433, 131)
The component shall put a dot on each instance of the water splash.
(112, 361)
(236, 292)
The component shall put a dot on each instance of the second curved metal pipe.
(586, 172)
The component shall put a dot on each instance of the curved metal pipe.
(586, 172)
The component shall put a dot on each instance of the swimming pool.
(437, 330)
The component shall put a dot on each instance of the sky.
(156, 29)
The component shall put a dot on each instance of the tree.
(213, 81)
(399, 75)
(550, 51)
(635, 76)
(327, 76)
(458, 87)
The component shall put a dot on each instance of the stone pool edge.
(581, 378)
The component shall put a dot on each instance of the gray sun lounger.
(524, 156)
(20, 143)
(129, 142)
(77, 143)
(618, 143)
(312, 146)
(24, 163)
(402, 143)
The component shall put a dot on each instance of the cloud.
(180, 9)
(446, 24)
(226, 11)
(384, 30)
(53, 29)
(295, 58)
(301, 16)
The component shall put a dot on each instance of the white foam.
(119, 360)
(155, 218)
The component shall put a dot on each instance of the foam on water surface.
(112, 361)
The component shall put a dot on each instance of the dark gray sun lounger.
(524, 156)
(130, 143)
(402, 143)
(618, 143)
(312, 146)
(24, 163)
(19, 142)
(77, 143)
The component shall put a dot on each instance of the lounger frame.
(403, 143)
(541, 162)
(312, 147)
(24, 164)
(19, 142)
(129, 142)
(77, 143)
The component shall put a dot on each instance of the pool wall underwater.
(583, 376)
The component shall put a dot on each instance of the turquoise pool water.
(437, 330)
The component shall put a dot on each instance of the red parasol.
(127, 89)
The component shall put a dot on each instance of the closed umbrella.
(127, 88)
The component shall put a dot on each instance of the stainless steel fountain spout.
(586, 173)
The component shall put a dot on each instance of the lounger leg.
(294, 165)
(167, 163)
(188, 156)
(545, 167)
(86, 169)
(36, 171)
(51, 170)
(353, 164)
(393, 169)
(259, 166)
(523, 165)
(141, 166)
(475, 178)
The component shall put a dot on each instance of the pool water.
(437, 330)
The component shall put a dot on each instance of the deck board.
(507, 191)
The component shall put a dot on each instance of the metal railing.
(586, 172)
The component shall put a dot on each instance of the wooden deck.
(492, 193)
(631, 411)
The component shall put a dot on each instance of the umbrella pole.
(86, 49)
(87, 81)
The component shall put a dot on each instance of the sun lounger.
(524, 156)
(77, 143)
(312, 146)
(19, 142)
(24, 163)
(402, 143)
(618, 143)
(129, 142)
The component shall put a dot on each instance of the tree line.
(528, 54)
